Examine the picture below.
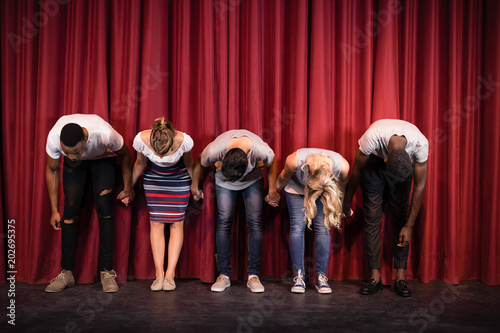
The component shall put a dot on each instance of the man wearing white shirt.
(390, 152)
(89, 145)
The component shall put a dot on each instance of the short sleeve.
(115, 141)
(211, 154)
(262, 151)
(187, 144)
(138, 144)
(53, 147)
(422, 153)
(367, 143)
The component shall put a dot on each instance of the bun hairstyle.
(162, 136)
(322, 184)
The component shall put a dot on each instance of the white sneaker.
(300, 286)
(221, 284)
(254, 284)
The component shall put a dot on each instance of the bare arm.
(291, 165)
(359, 164)
(126, 165)
(417, 197)
(272, 197)
(140, 164)
(188, 162)
(195, 180)
(344, 172)
(52, 179)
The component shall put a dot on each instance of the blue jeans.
(226, 202)
(298, 224)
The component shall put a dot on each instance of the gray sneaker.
(108, 281)
(64, 280)
(254, 284)
(300, 286)
(221, 284)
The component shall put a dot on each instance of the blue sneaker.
(300, 286)
(322, 284)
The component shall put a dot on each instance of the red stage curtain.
(299, 74)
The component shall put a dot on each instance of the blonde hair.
(323, 184)
(162, 136)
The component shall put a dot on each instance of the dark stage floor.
(435, 307)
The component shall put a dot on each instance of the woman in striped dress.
(167, 155)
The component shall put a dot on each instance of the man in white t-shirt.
(390, 152)
(89, 145)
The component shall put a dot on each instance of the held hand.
(273, 199)
(126, 196)
(197, 193)
(347, 211)
(404, 236)
(55, 221)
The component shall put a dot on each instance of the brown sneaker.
(108, 281)
(64, 280)
(168, 285)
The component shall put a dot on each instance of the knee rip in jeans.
(105, 192)
(71, 221)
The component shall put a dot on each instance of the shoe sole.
(367, 294)
(298, 291)
(56, 291)
(256, 291)
(323, 291)
(220, 290)
(111, 290)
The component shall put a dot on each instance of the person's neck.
(397, 142)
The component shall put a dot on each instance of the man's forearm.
(52, 179)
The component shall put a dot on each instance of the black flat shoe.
(372, 287)
(401, 288)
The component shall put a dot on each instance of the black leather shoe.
(372, 287)
(401, 288)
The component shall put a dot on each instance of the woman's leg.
(321, 240)
(174, 248)
(157, 238)
(295, 203)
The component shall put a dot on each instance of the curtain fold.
(299, 73)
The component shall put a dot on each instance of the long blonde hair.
(162, 136)
(323, 184)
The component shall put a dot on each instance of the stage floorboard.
(434, 307)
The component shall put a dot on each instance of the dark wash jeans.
(226, 202)
(376, 187)
(74, 178)
(298, 225)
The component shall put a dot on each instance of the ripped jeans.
(103, 181)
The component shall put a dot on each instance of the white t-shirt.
(260, 151)
(376, 139)
(103, 140)
(165, 161)
(297, 182)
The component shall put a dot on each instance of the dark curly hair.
(234, 164)
(399, 166)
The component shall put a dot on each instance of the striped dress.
(167, 183)
(167, 192)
